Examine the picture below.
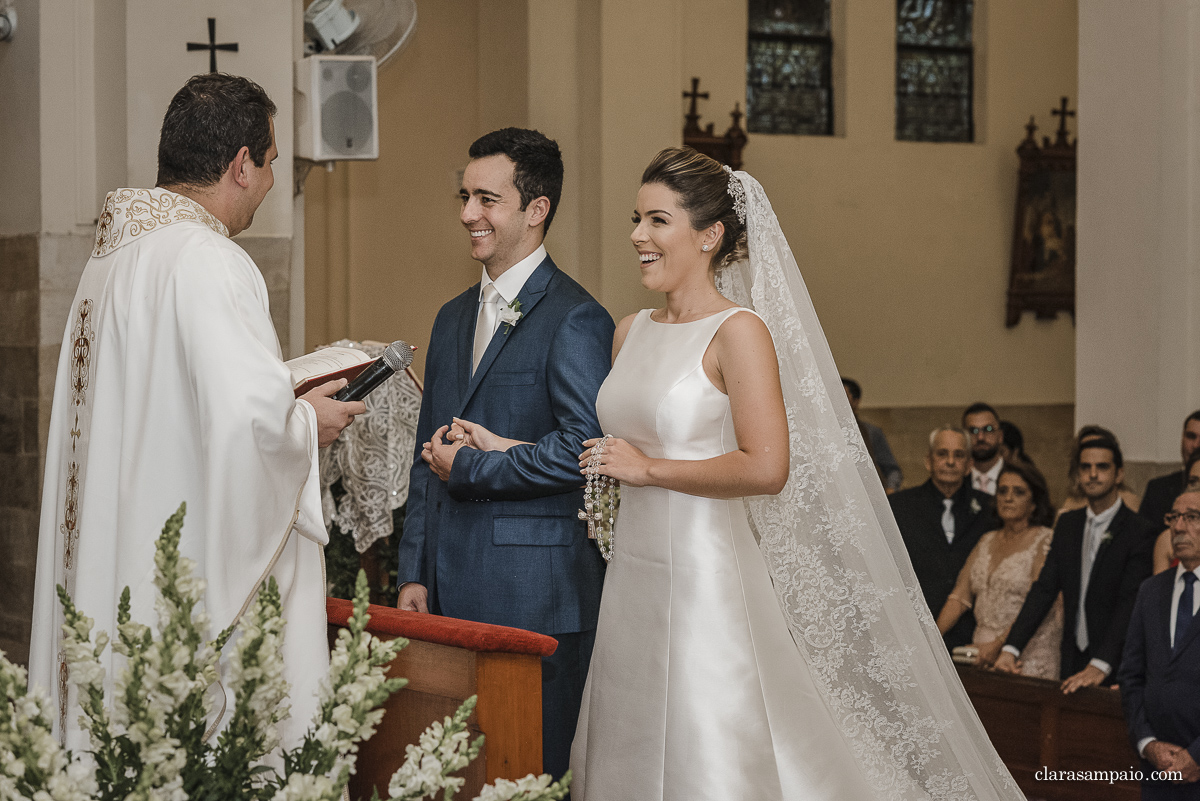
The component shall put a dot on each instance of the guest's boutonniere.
(510, 315)
(975, 507)
(1106, 537)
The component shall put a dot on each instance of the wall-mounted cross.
(692, 121)
(1062, 115)
(212, 47)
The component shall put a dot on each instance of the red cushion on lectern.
(444, 630)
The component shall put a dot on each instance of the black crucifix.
(212, 47)
(692, 121)
(1062, 114)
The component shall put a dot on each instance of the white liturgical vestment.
(171, 388)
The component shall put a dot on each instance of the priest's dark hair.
(209, 120)
(702, 185)
(538, 170)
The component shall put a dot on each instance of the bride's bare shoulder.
(744, 328)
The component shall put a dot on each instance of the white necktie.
(948, 519)
(1089, 556)
(485, 324)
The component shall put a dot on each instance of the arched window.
(789, 73)
(935, 66)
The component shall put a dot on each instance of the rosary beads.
(600, 516)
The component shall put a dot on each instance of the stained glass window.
(789, 73)
(935, 58)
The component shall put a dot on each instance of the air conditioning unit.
(337, 108)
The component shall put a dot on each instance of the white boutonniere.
(975, 507)
(510, 315)
(1106, 537)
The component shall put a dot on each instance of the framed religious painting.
(1042, 278)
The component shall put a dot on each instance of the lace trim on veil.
(840, 567)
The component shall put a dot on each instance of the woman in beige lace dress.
(1000, 570)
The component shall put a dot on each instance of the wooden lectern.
(446, 662)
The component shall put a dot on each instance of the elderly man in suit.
(492, 532)
(1098, 557)
(1160, 669)
(942, 520)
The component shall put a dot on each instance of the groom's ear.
(537, 210)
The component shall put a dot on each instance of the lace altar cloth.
(372, 457)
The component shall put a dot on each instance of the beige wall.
(905, 246)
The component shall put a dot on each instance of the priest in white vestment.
(171, 387)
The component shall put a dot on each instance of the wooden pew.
(1035, 727)
(447, 661)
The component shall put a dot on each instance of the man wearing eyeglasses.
(1160, 668)
(983, 424)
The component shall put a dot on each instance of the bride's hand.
(619, 460)
(476, 436)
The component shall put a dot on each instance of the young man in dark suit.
(1097, 559)
(1160, 668)
(941, 521)
(492, 533)
(1161, 492)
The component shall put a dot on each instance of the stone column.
(1138, 275)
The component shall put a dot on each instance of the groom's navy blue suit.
(501, 542)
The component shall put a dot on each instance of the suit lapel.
(466, 340)
(1115, 528)
(529, 296)
(1193, 627)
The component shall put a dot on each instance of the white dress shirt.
(1176, 594)
(986, 482)
(510, 284)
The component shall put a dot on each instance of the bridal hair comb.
(738, 193)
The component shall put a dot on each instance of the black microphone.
(396, 357)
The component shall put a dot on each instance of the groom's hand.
(440, 456)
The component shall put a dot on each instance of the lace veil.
(839, 565)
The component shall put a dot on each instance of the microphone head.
(398, 355)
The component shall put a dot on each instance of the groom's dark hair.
(539, 167)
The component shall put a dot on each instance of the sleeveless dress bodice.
(696, 689)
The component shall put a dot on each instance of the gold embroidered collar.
(131, 213)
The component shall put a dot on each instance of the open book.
(327, 364)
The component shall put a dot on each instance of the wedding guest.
(1161, 492)
(941, 521)
(983, 424)
(1097, 559)
(1075, 497)
(1160, 669)
(1001, 568)
(877, 444)
(1013, 444)
(1164, 555)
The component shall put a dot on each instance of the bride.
(761, 632)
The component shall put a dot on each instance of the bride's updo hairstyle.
(703, 189)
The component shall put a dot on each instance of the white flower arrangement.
(511, 314)
(151, 744)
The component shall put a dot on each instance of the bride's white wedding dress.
(696, 690)
(806, 666)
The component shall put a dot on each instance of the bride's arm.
(747, 367)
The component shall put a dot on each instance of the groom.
(493, 536)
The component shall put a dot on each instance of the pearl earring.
(705, 248)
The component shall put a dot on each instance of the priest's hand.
(332, 415)
(440, 456)
(413, 598)
(1090, 676)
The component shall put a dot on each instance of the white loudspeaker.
(337, 108)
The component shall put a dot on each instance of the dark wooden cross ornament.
(1062, 113)
(692, 121)
(212, 47)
